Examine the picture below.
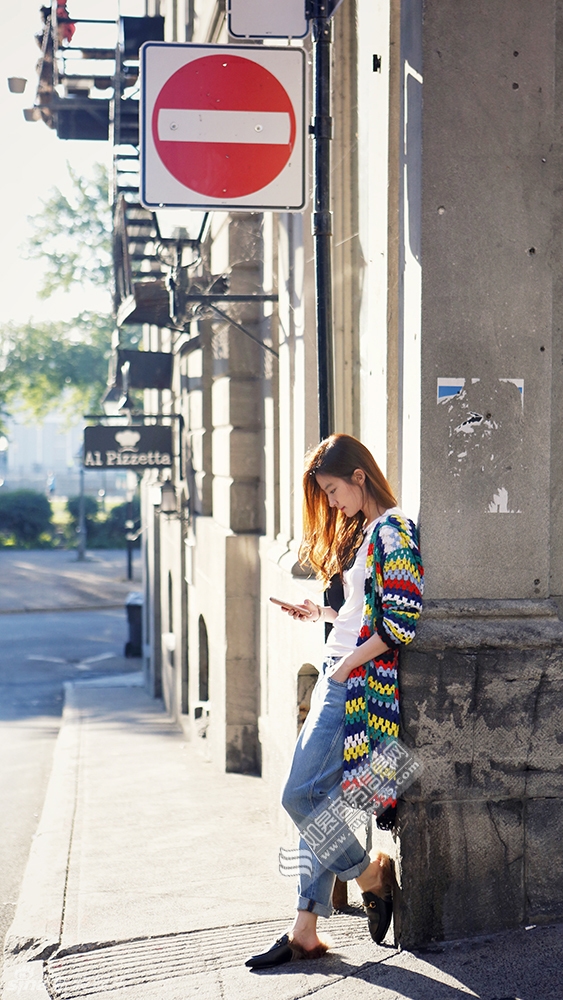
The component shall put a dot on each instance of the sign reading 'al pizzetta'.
(117, 447)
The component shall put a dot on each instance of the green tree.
(63, 364)
(72, 235)
(44, 365)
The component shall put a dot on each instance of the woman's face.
(347, 497)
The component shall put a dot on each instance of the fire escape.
(90, 91)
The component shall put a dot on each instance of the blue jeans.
(314, 779)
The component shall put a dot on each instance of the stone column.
(195, 382)
(225, 556)
(237, 390)
(482, 688)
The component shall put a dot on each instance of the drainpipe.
(321, 130)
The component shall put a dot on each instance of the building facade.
(448, 295)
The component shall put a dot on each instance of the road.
(38, 653)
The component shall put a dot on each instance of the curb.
(35, 932)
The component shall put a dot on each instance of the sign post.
(222, 127)
(322, 215)
(256, 18)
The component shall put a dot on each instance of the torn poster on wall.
(484, 431)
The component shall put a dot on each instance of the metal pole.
(81, 520)
(129, 537)
(321, 130)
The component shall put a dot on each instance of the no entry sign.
(222, 127)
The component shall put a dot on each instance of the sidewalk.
(153, 874)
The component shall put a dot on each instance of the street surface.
(154, 873)
(52, 580)
(39, 652)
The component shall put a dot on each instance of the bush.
(103, 531)
(25, 516)
(115, 524)
(90, 508)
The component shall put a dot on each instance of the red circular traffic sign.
(224, 126)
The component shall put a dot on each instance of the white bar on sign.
(257, 127)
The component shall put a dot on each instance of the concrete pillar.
(152, 647)
(237, 391)
(196, 381)
(223, 562)
(376, 227)
(482, 688)
(172, 637)
(348, 262)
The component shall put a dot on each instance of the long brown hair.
(329, 537)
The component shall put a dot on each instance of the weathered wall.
(488, 130)
(482, 688)
(482, 697)
(554, 159)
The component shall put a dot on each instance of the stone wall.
(480, 833)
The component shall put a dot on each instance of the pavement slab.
(154, 874)
(152, 821)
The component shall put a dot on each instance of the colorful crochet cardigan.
(394, 584)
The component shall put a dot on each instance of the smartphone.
(288, 605)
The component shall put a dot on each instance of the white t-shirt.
(346, 628)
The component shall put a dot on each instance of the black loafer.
(379, 913)
(279, 953)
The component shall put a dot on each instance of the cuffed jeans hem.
(351, 873)
(312, 907)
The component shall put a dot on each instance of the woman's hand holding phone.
(306, 612)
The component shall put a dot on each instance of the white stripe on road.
(46, 659)
(256, 127)
(101, 656)
(83, 665)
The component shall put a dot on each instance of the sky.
(34, 161)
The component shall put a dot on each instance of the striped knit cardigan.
(394, 584)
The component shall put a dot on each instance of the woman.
(352, 527)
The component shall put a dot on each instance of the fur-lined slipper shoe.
(379, 909)
(379, 913)
(285, 950)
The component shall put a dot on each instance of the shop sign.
(134, 447)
